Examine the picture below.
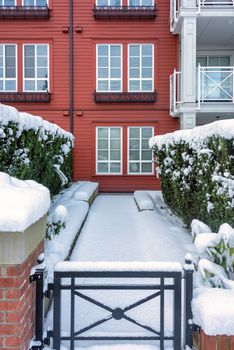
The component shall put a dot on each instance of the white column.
(188, 120)
(188, 59)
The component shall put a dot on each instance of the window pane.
(115, 133)
(134, 133)
(134, 62)
(147, 50)
(134, 85)
(42, 61)
(134, 50)
(10, 85)
(103, 73)
(9, 3)
(103, 133)
(30, 85)
(146, 133)
(29, 61)
(103, 62)
(146, 167)
(42, 85)
(147, 61)
(1, 72)
(134, 144)
(134, 167)
(41, 2)
(103, 168)
(134, 155)
(146, 155)
(103, 144)
(102, 2)
(10, 50)
(102, 50)
(115, 85)
(115, 167)
(115, 144)
(145, 144)
(115, 50)
(1, 85)
(29, 73)
(134, 73)
(115, 155)
(1, 50)
(147, 73)
(29, 50)
(102, 155)
(103, 85)
(202, 61)
(42, 50)
(225, 61)
(42, 73)
(115, 73)
(115, 3)
(213, 61)
(147, 85)
(115, 62)
(10, 73)
(134, 2)
(28, 2)
(147, 3)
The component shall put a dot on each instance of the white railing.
(202, 4)
(175, 92)
(174, 12)
(215, 84)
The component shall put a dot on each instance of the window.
(140, 157)
(143, 3)
(111, 3)
(35, 3)
(10, 3)
(8, 67)
(109, 68)
(36, 67)
(141, 68)
(109, 150)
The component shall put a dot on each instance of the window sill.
(25, 97)
(24, 12)
(125, 12)
(116, 97)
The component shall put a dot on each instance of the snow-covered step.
(143, 200)
(86, 192)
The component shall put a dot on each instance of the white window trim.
(110, 161)
(7, 5)
(16, 68)
(23, 3)
(110, 79)
(152, 4)
(108, 4)
(24, 78)
(140, 161)
(153, 48)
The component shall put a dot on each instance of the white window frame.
(150, 79)
(109, 67)
(35, 79)
(152, 4)
(16, 68)
(108, 4)
(140, 161)
(110, 161)
(23, 3)
(3, 5)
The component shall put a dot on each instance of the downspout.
(71, 66)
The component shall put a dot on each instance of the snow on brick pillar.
(18, 254)
(201, 341)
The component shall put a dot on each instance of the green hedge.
(197, 172)
(31, 148)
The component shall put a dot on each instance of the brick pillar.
(203, 341)
(17, 295)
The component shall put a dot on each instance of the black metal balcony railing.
(22, 12)
(116, 97)
(125, 12)
(25, 97)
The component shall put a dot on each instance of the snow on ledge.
(22, 203)
(110, 266)
(85, 191)
(143, 200)
(213, 310)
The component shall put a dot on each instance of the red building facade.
(107, 79)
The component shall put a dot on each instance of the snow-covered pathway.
(116, 231)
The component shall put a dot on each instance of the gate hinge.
(37, 276)
(50, 288)
(46, 340)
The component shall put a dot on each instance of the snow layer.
(143, 200)
(116, 347)
(118, 266)
(85, 191)
(221, 128)
(27, 121)
(213, 310)
(22, 203)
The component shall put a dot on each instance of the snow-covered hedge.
(32, 148)
(196, 168)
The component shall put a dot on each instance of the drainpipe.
(71, 66)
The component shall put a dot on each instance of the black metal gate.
(157, 283)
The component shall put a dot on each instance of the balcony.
(40, 97)
(117, 97)
(125, 12)
(24, 12)
(214, 90)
